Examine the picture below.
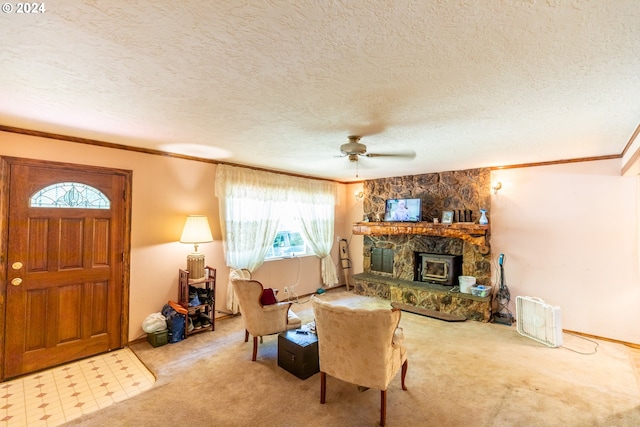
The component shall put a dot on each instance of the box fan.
(539, 321)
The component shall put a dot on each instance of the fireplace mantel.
(470, 232)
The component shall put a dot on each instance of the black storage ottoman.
(298, 353)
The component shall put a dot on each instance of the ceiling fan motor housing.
(353, 148)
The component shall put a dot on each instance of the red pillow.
(268, 297)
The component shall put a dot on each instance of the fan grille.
(539, 321)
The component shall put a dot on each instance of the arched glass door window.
(70, 195)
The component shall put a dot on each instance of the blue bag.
(175, 323)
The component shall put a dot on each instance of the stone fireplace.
(464, 241)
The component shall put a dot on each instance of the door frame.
(5, 167)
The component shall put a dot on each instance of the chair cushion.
(293, 321)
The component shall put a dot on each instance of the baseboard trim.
(582, 334)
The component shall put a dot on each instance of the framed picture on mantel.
(447, 217)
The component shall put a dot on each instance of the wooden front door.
(67, 234)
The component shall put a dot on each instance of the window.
(289, 241)
(251, 205)
(70, 195)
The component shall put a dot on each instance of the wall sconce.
(359, 195)
(495, 186)
(196, 230)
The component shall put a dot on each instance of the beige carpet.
(460, 374)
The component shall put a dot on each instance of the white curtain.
(316, 206)
(251, 203)
(232, 301)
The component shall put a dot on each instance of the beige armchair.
(361, 346)
(261, 319)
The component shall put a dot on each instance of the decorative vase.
(483, 217)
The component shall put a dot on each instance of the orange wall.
(165, 191)
(354, 213)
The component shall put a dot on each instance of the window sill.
(287, 257)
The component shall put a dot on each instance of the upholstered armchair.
(362, 346)
(262, 319)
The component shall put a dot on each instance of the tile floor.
(58, 395)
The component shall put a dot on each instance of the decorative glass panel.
(70, 195)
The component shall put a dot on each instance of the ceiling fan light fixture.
(353, 147)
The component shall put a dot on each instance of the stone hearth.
(424, 295)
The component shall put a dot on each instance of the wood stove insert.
(437, 268)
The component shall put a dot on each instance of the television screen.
(402, 210)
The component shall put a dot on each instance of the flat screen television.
(402, 210)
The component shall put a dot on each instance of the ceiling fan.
(354, 149)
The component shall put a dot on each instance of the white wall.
(570, 236)
(631, 159)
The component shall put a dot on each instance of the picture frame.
(447, 217)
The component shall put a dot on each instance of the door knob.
(16, 265)
(16, 282)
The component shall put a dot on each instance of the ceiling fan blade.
(404, 155)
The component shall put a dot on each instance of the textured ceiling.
(281, 84)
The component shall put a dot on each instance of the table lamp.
(196, 230)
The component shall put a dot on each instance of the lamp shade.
(196, 230)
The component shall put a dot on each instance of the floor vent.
(539, 321)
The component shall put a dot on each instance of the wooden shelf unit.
(209, 283)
